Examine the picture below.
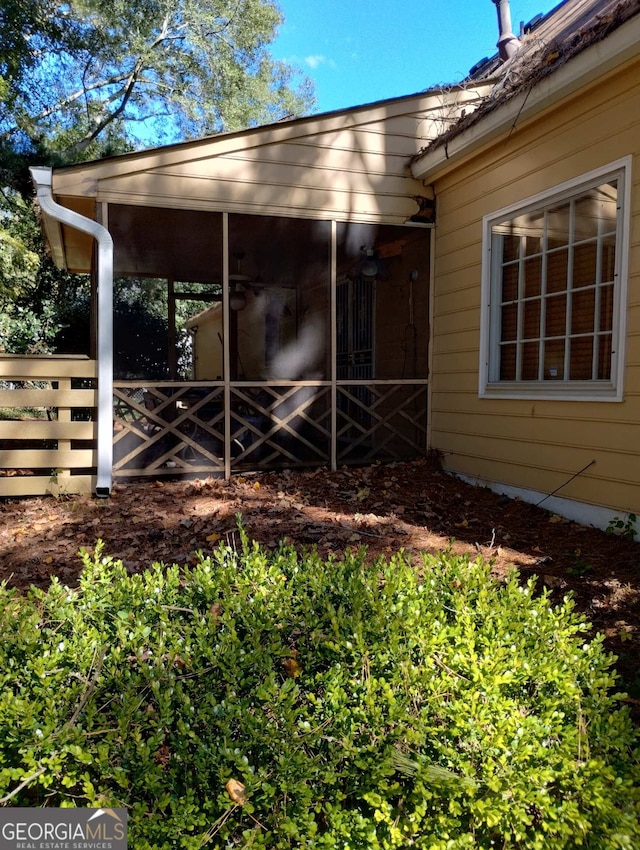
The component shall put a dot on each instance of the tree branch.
(110, 117)
(72, 98)
(4, 800)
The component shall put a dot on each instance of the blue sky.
(359, 51)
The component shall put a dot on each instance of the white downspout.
(42, 178)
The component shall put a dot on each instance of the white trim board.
(583, 513)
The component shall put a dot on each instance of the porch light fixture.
(237, 300)
(369, 265)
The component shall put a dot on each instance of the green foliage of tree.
(141, 327)
(28, 29)
(146, 70)
(92, 78)
(18, 262)
(32, 290)
(24, 332)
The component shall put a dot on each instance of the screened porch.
(286, 342)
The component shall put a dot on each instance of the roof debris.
(568, 30)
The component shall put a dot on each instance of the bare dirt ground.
(413, 506)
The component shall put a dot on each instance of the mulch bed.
(411, 506)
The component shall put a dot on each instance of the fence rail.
(47, 429)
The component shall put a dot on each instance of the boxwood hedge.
(273, 700)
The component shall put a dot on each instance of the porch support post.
(42, 178)
(429, 329)
(334, 345)
(226, 352)
(171, 315)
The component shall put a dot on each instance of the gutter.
(589, 65)
(43, 181)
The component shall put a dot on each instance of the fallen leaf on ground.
(236, 791)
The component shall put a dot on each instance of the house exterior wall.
(348, 166)
(207, 348)
(536, 445)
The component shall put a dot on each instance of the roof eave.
(53, 236)
(593, 62)
(278, 131)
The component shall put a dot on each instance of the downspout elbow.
(43, 181)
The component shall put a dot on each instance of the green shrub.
(360, 707)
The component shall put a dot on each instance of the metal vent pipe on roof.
(508, 43)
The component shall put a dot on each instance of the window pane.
(554, 360)
(510, 248)
(530, 352)
(581, 359)
(510, 282)
(509, 322)
(556, 316)
(596, 211)
(531, 319)
(606, 308)
(584, 265)
(507, 363)
(531, 227)
(558, 226)
(604, 357)
(582, 311)
(557, 266)
(533, 244)
(587, 216)
(608, 260)
(532, 277)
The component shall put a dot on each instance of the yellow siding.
(536, 445)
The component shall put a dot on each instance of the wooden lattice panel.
(381, 421)
(163, 429)
(281, 425)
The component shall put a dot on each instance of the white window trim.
(571, 390)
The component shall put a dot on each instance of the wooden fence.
(48, 428)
